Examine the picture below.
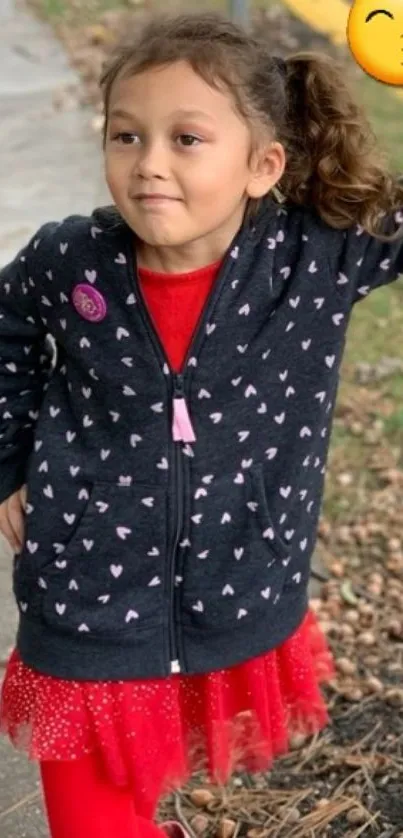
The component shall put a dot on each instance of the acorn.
(201, 797)
(356, 817)
(366, 638)
(394, 697)
(346, 630)
(352, 616)
(373, 684)
(346, 666)
(200, 823)
(377, 579)
(293, 816)
(297, 741)
(395, 629)
(394, 545)
(337, 568)
(227, 828)
(353, 694)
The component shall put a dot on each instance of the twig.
(367, 736)
(347, 780)
(27, 799)
(365, 826)
(316, 744)
(181, 817)
(318, 819)
(355, 707)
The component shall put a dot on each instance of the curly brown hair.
(333, 161)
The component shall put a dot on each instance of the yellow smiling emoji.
(375, 37)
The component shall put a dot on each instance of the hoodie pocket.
(107, 575)
(237, 563)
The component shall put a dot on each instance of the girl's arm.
(24, 366)
(365, 262)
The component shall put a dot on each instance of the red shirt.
(175, 303)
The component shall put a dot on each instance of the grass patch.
(53, 8)
(77, 12)
(375, 338)
(374, 335)
(376, 325)
(394, 423)
(85, 11)
(386, 113)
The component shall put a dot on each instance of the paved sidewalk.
(50, 162)
(50, 166)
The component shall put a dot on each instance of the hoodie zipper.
(181, 430)
(178, 398)
(178, 482)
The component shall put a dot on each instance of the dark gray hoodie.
(171, 518)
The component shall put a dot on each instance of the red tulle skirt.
(152, 735)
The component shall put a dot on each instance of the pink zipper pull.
(182, 429)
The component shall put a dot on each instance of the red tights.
(81, 803)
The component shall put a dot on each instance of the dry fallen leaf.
(347, 593)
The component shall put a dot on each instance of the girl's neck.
(171, 260)
(171, 264)
(191, 256)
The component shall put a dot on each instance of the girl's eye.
(189, 140)
(125, 138)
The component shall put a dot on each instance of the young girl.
(174, 453)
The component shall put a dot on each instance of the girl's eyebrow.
(120, 112)
(195, 114)
(181, 113)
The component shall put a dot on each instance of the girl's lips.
(156, 202)
(156, 197)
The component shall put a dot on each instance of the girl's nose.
(152, 161)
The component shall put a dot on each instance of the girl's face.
(177, 159)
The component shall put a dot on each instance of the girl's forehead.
(172, 87)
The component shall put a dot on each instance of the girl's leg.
(80, 803)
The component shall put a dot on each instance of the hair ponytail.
(334, 162)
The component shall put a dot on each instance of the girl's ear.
(266, 169)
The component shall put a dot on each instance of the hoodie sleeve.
(367, 263)
(25, 366)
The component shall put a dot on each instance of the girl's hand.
(12, 519)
